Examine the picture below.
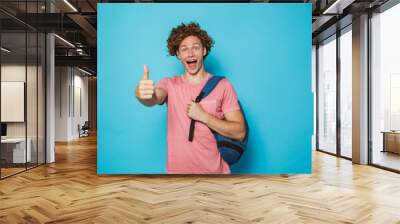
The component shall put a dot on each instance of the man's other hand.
(196, 112)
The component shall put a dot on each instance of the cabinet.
(391, 141)
(13, 150)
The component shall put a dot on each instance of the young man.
(219, 111)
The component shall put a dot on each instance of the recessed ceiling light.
(84, 71)
(338, 6)
(64, 40)
(71, 6)
(5, 50)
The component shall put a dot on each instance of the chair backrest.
(86, 125)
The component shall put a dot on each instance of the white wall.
(12, 73)
(62, 81)
(33, 127)
(71, 102)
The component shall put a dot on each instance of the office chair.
(84, 130)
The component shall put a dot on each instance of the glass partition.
(14, 153)
(327, 95)
(22, 78)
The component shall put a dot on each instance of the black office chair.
(84, 130)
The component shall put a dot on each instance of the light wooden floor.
(10, 171)
(5, 172)
(70, 191)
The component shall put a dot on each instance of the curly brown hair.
(179, 33)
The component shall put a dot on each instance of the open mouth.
(192, 63)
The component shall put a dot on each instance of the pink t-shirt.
(201, 156)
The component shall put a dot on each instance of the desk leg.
(384, 142)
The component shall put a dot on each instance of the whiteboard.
(12, 101)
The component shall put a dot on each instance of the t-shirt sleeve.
(163, 84)
(230, 99)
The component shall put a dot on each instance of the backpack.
(230, 149)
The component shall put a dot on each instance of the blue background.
(263, 49)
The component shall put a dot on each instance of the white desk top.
(13, 140)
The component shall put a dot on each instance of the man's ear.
(178, 55)
(205, 51)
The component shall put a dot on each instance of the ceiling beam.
(86, 26)
(83, 61)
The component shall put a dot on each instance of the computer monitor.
(3, 129)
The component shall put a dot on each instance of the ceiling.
(329, 16)
(76, 22)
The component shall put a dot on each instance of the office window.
(314, 90)
(327, 95)
(346, 93)
(385, 90)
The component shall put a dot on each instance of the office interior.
(47, 80)
(49, 74)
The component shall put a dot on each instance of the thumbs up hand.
(145, 89)
(145, 72)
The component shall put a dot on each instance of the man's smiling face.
(191, 53)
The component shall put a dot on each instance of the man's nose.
(190, 51)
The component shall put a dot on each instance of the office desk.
(391, 141)
(13, 150)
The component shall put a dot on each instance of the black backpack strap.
(207, 89)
